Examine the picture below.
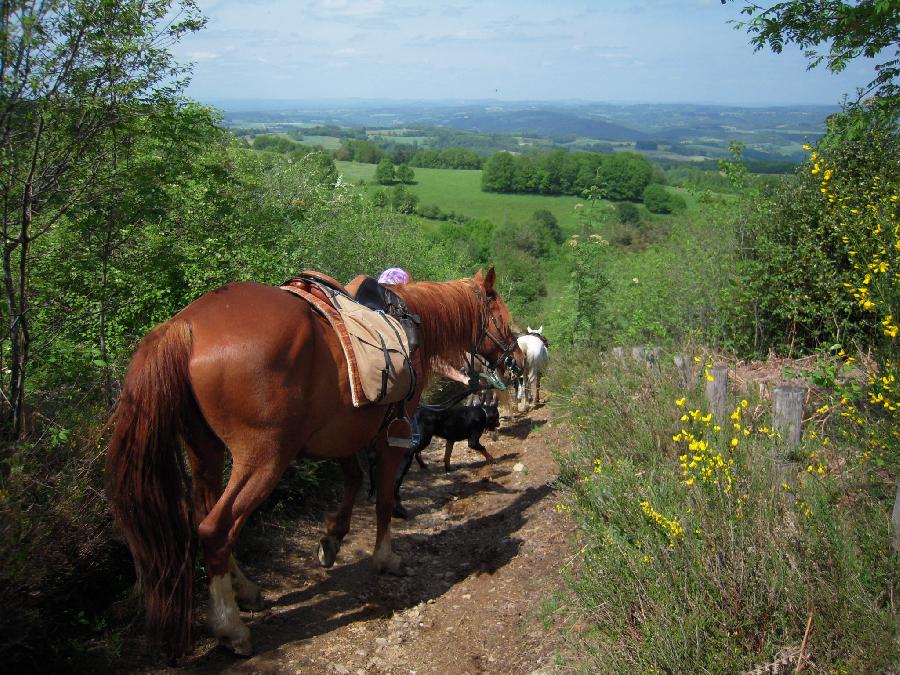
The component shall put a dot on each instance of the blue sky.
(646, 51)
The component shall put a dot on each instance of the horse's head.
(496, 342)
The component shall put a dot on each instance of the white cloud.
(203, 56)
(349, 9)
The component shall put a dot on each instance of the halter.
(484, 331)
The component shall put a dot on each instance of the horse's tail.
(147, 485)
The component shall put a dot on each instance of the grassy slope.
(460, 191)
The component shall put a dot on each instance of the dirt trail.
(484, 545)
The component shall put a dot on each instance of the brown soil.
(484, 546)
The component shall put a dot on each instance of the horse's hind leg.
(207, 456)
(338, 524)
(246, 488)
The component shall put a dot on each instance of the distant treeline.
(368, 152)
(621, 176)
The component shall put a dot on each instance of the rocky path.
(484, 545)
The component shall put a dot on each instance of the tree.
(549, 223)
(834, 32)
(405, 175)
(624, 176)
(498, 174)
(403, 200)
(72, 73)
(384, 172)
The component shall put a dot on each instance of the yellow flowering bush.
(680, 523)
(866, 219)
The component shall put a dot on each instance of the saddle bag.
(382, 351)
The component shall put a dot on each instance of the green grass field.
(327, 142)
(460, 191)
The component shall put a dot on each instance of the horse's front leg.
(388, 459)
(337, 524)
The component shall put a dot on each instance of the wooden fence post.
(637, 353)
(717, 392)
(789, 400)
(652, 356)
(683, 364)
(788, 422)
(895, 520)
(619, 353)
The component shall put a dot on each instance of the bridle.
(484, 331)
(505, 359)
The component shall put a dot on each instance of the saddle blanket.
(375, 345)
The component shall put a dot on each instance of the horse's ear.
(489, 281)
(529, 329)
(479, 276)
(540, 331)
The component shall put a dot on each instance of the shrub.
(689, 560)
(795, 262)
(627, 213)
(659, 200)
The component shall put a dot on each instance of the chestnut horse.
(255, 371)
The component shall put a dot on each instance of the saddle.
(376, 331)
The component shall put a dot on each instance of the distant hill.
(543, 122)
(774, 133)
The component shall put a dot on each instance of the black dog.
(453, 424)
(456, 424)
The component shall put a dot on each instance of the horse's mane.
(450, 314)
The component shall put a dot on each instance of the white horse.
(534, 348)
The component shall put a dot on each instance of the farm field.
(327, 142)
(460, 191)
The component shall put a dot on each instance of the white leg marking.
(385, 559)
(224, 618)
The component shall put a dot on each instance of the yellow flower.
(680, 402)
(734, 442)
(744, 403)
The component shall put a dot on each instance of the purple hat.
(394, 275)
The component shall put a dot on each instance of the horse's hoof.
(392, 564)
(242, 647)
(328, 550)
(251, 603)
(400, 511)
(240, 642)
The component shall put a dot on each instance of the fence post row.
(683, 364)
(789, 400)
(717, 393)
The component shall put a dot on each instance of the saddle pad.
(375, 347)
